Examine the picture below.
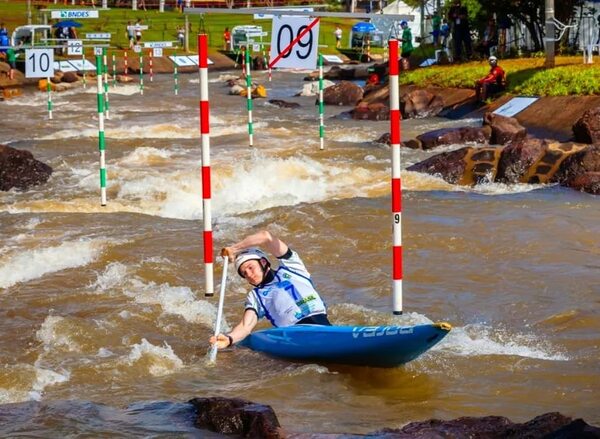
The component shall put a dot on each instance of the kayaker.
(285, 296)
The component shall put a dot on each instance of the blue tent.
(363, 26)
(67, 23)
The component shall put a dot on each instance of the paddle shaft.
(213, 351)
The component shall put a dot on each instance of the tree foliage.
(529, 12)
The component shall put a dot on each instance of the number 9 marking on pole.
(39, 63)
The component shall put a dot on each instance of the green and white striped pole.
(176, 76)
(114, 70)
(105, 72)
(101, 143)
(49, 90)
(83, 66)
(321, 106)
(249, 98)
(141, 73)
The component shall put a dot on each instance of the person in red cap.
(493, 82)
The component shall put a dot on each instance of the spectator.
(598, 18)
(493, 82)
(138, 31)
(338, 36)
(130, 34)
(504, 24)
(458, 17)
(436, 24)
(407, 47)
(3, 29)
(181, 35)
(489, 39)
(226, 39)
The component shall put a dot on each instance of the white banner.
(75, 13)
(39, 63)
(98, 36)
(303, 53)
(155, 44)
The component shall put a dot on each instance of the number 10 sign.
(302, 54)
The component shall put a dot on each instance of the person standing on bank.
(285, 296)
(458, 16)
(338, 36)
(407, 46)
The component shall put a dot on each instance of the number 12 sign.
(303, 53)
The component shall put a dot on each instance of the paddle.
(213, 351)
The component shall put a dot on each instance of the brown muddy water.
(103, 314)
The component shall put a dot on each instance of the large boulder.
(548, 426)
(237, 417)
(18, 169)
(375, 111)
(581, 170)
(343, 93)
(449, 165)
(312, 89)
(70, 77)
(504, 129)
(518, 157)
(420, 103)
(587, 127)
(454, 136)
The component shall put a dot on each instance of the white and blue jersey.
(289, 297)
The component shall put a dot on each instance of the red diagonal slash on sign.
(294, 41)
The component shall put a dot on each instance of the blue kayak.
(376, 346)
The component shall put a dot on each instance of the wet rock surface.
(587, 127)
(19, 170)
(237, 417)
(343, 93)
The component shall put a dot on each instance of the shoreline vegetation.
(526, 76)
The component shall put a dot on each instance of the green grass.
(526, 76)
(163, 26)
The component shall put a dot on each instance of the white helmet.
(492, 59)
(249, 254)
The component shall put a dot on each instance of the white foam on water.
(289, 181)
(478, 339)
(120, 89)
(146, 156)
(45, 378)
(160, 360)
(104, 353)
(179, 301)
(26, 265)
(351, 314)
(52, 335)
(351, 136)
(113, 275)
(28, 382)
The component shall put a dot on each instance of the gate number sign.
(303, 32)
(39, 63)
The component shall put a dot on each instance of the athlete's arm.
(240, 332)
(264, 239)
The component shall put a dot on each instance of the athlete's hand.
(222, 341)
(229, 253)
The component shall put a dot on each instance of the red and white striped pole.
(205, 139)
(395, 134)
(269, 64)
(125, 62)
